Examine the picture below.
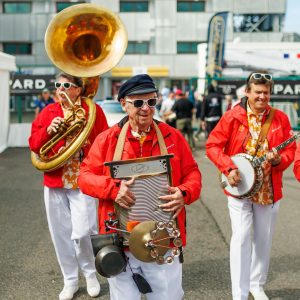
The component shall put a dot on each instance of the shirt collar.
(251, 113)
(134, 135)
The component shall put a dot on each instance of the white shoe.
(92, 286)
(259, 295)
(68, 292)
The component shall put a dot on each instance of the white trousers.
(165, 281)
(250, 257)
(71, 219)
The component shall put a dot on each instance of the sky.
(292, 20)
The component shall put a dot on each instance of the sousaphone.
(84, 40)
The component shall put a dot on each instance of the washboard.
(152, 176)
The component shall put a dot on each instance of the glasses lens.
(138, 103)
(152, 102)
(268, 76)
(57, 85)
(66, 85)
(256, 76)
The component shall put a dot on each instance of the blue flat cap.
(137, 85)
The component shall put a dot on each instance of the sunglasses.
(139, 103)
(258, 76)
(66, 85)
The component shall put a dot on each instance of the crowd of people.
(71, 191)
(191, 113)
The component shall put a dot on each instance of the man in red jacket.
(138, 96)
(238, 132)
(71, 215)
(297, 163)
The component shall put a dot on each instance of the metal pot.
(101, 240)
(110, 261)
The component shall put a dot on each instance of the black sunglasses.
(66, 85)
(258, 76)
(139, 103)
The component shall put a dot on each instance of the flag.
(216, 39)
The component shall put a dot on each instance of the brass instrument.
(67, 128)
(84, 40)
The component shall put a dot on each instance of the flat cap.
(137, 85)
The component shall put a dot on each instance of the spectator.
(191, 95)
(198, 107)
(184, 114)
(166, 110)
(42, 101)
(228, 100)
(211, 110)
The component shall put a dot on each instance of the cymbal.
(141, 235)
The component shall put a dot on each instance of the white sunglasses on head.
(258, 76)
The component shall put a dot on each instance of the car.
(114, 111)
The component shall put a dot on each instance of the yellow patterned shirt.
(265, 195)
(71, 168)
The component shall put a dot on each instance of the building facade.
(162, 34)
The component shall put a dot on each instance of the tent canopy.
(7, 64)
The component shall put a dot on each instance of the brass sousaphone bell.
(83, 40)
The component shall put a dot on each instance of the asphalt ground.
(29, 269)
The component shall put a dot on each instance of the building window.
(137, 48)
(16, 7)
(190, 5)
(133, 6)
(187, 47)
(62, 5)
(17, 48)
(257, 22)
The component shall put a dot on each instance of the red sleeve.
(297, 163)
(92, 179)
(191, 180)
(217, 141)
(287, 154)
(39, 135)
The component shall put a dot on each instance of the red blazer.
(95, 179)
(39, 136)
(297, 163)
(231, 135)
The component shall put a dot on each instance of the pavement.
(29, 268)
